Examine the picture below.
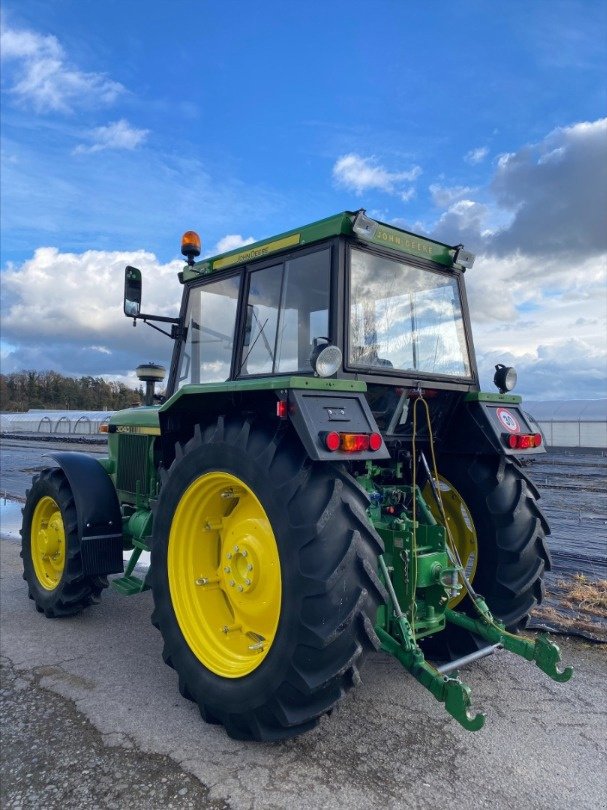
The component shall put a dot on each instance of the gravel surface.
(53, 757)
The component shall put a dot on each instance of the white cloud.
(570, 368)
(63, 311)
(42, 76)
(557, 192)
(118, 135)
(546, 199)
(360, 174)
(230, 242)
(465, 221)
(526, 313)
(444, 196)
(475, 156)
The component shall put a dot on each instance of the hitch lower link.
(450, 690)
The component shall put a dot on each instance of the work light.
(504, 378)
(325, 358)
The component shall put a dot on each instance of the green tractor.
(323, 478)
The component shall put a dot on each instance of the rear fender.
(483, 423)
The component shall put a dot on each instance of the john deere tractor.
(323, 478)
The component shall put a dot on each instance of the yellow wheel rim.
(461, 527)
(48, 543)
(224, 574)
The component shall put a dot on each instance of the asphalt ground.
(91, 717)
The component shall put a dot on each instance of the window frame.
(179, 348)
(270, 261)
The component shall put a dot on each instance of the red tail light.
(375, 441)
(351, 442)
(331, 441)
(523, 441)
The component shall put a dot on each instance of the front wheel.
(50, 548)
(264, 579)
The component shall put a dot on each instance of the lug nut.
(240, 588)
(249, 567)
(227, 569)
(232, 583)
(247, 581)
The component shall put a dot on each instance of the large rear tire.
(50, 548)
(512, 551)
(302, 619)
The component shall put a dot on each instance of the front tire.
(302, 626)
(50, 548)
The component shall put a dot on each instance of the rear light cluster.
(351, 442)
(523, 441)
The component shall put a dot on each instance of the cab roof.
(343, 224)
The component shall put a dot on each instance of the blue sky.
(126, 123)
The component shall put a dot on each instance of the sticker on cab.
(507, 419)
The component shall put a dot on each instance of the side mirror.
(132, 292)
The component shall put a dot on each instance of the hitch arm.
(542, 651)
(450, 691)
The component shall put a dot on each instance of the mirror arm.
(145, 318)
(175, 332)
(157, 328)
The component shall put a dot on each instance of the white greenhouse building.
(571, 423)
(61, 423)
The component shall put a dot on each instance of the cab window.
(210, 329)
(287, 307)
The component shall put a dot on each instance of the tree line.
(23, 390)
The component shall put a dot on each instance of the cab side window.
(211, 325)
(287, 307)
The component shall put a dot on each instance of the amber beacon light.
(190, 245)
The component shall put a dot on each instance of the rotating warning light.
(190, 246)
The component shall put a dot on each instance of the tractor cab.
(391, 304)
(340, 302)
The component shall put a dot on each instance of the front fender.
(98, 513)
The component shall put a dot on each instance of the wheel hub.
(241, 570)
(225, 581)
(48, 543)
